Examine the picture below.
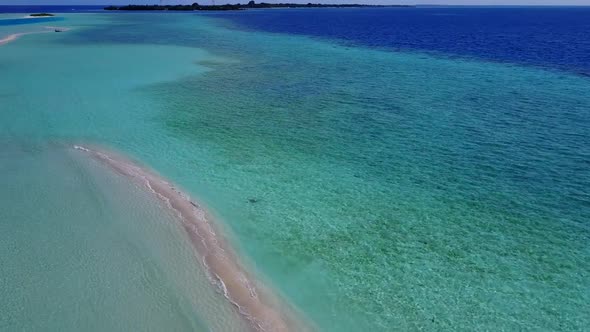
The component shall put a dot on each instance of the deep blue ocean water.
(551, 37)
(555, 37)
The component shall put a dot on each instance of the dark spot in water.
(253, 200)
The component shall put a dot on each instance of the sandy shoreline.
(258, 306)
(10, 38)
(15, 36)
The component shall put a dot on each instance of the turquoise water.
(84, 249)
(394, 190)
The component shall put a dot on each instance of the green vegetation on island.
(249, 5)
(41, 15)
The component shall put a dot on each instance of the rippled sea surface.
(378, 177)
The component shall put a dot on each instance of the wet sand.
(263, 309)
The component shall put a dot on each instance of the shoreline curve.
(262, 309)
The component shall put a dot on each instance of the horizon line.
(326, 3)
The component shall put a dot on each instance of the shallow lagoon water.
(85, 248)
(393, 190)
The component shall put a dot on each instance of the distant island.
(41, 15)
(249, 5)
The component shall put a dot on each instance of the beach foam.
(262, 309)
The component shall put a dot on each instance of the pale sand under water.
(264, 310)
